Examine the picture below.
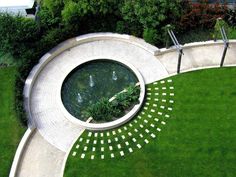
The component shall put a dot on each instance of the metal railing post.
(178, 47)
(226, 45)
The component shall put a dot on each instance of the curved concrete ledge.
(197, 56)
(20, 151)
(193, 45)
(112, 124)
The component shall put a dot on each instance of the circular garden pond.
(92, 82)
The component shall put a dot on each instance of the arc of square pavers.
(94, 145)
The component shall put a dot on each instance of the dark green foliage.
(105, 110)
(150, 35)
(151, 15)
(230, 17)
(17, 34)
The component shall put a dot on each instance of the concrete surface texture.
(40, 159)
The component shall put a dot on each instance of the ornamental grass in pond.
(110, 109)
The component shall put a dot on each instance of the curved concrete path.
(56, 134)
(40, 159)
(48, 115)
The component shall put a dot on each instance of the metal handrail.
(226, 45)
(178, 47)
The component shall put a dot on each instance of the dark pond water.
(91, 81)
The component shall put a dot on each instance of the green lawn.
(196, 138)
(11, 131)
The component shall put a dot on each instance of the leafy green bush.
(17, 34)
(105, 110)
(150, 35)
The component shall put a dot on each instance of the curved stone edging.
(67, 45)
(20, 151)
(112, 124)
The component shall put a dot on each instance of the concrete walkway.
(56, 134)
(40, 159)
(198, 56)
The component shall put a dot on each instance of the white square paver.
(163, 123)
(82, 156)
(130, 150)
(153, 135)
(74, 153)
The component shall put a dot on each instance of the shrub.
(105, 110)
(150, 35)
(17, 34)
(152, 15)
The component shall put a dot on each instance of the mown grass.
(11, 130)
(198, 139)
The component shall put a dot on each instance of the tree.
(152, 15)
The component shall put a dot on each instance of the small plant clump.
(106, 110)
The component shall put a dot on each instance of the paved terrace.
(55, 133)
